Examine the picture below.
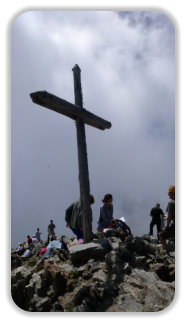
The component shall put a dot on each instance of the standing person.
(51, 232)
(38, 235)
(169, 230)
(106, 213)
(73, 218)
(156, 214)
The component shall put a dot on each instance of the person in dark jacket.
(156, 214)
(73, 218)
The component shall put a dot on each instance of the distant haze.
(127, 71)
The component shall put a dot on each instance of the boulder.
(125, 254)
(16, 261)
(113, 262)
(139, 245)
(84, 252)
(150, 239)
(43, 305)
(171, 244)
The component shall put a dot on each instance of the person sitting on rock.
(34, 239)
(29, 239)
(156, 214)
(73, 218)
(169, 230)
(106, 213)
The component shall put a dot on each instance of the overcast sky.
(127, 72)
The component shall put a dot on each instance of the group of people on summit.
(107, 221)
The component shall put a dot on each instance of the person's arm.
(150, 213)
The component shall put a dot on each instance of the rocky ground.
(106, 275)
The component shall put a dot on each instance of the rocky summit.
(106, 275)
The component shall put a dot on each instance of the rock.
(139, 245)
(124, 254)
(21, 273)
(114, 239)
(57, 277)
(115, 245)
(99, 276)
(171, 245)
(166, 272)
(127, 268)
(58, 307)
(16, 261)
(44, 305)
(84, 252)
(150, 239)
(140, 261)
(102, 276)
(113, 262)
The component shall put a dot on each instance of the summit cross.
(82, 117)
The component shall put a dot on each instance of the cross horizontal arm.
(68, 109)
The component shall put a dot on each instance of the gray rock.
(99, 276)
(113, 262)
(140, 261)
(150, 239)
(84, 252)
(125, 254)
(115, 245)
(16, 261)
(171, 245)
(44, 305)
(22, 272)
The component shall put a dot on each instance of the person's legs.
(158, 225)
(78, 233)
(151, 227)
(163, 241)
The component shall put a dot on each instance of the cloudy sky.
(127, 71)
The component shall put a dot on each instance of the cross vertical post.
(82, 161)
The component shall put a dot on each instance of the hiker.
(169, 230)
(38, 235)
(156, 214)
(106, 213)
(73, 218)
(29, 240)
(51, 232)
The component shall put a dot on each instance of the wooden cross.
(82, 117)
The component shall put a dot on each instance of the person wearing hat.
(156, 214)
(106, 213)
(169, 230)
